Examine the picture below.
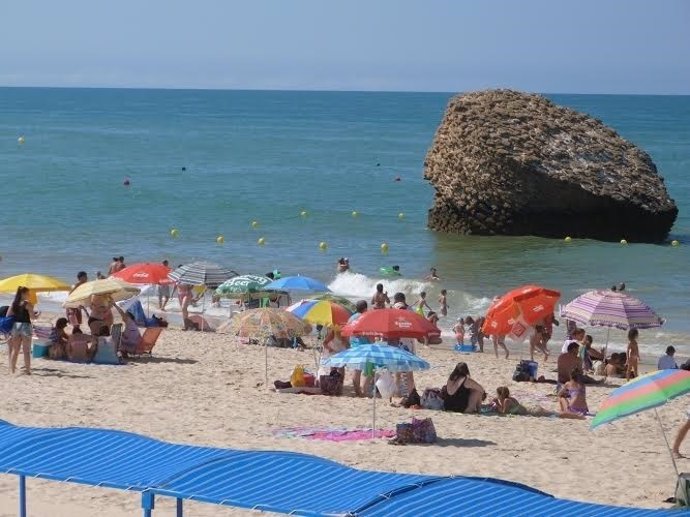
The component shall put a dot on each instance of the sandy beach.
(204, 389)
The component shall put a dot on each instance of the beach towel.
(332, 434)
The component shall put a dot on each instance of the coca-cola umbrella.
(391, 324)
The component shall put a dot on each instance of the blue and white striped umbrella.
(297, 283)
(380, 355)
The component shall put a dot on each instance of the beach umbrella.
(117, 289)
(611, 309)
(145, 273)
(645, 392)
(243, 286)
(391, 324)
(516, 310)
(297, 283)
(320, 312)
(379, 355)
(35, 282)
(340, 300)
(202, 273)
(266, 322)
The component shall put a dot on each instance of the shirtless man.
(74, 315)
(114, 266)
(633, 355)
(380, 298)
(432, 275)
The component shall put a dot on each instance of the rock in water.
(510, 163)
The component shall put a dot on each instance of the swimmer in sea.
(443, 301)
(432, 275)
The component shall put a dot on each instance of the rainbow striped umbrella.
(611, 309)
(320, 312)
(646, 392)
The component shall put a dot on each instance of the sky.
(552, 46)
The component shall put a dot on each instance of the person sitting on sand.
(462, 394)
(589, 354)
(572, 398)
(567, 362)
(667, 361)
(505, 404)
(577, 335)
(615, 365)
(58, 340)
(633, 355)
(131, 338)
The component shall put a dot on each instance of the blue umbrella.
(297, 283)
(381, 355)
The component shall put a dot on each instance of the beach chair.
(148, 341)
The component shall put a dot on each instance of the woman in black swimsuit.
(22, 311)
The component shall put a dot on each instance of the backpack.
(682, 496)
(522, 372)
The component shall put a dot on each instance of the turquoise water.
(267, 156)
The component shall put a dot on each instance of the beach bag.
(522, 372)
(682, 496)
(6, 324)
(297, 377)
(411, 400)
(423, 430)
(331, 384)
(432, 399)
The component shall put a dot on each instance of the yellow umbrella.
(117, 290)
(37, 283)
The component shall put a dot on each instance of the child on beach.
(633, 354)
(504, 404)
(421, 304)
(572, 398)
(459, 330)
(443, 301)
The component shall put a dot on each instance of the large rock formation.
(510, 163)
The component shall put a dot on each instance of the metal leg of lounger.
(147, 503)
(180, 508)
(22, 496)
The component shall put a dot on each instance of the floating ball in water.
(675, 243)
(384, 248)
(304, 213)
(323, 246)
(623, 241)
(21, 140)
(174, 233)
(220, 239)
(401, 215)
(255, 224)
(261, 241)
(355, 213)
(568, 238)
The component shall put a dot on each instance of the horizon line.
(325, 90)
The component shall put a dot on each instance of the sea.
(293, 170)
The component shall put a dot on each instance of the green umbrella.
(243, 287)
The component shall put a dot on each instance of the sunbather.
(130, 335)
(462, 394)
(507, 405)
(572, 398)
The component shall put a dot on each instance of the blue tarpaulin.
(283, 482)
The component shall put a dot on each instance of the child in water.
(443, 301)
(459, 330)
(421, 304)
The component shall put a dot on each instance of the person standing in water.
(421, 304)
(380, 298)
(433, 276)
(443, 301)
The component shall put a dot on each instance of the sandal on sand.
(678, 456)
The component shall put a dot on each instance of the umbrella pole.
(668, 446)
(606, 347)
(266, 363)
(373, 420)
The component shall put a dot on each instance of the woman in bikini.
(633, 354)
(573, 397)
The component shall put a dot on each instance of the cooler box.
(464, 348)
(39, 350)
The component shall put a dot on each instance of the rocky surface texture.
(509, 163)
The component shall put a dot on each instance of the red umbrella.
(391, 324)
(528, 304)
(145, 273)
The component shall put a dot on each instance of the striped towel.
(46, 333)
